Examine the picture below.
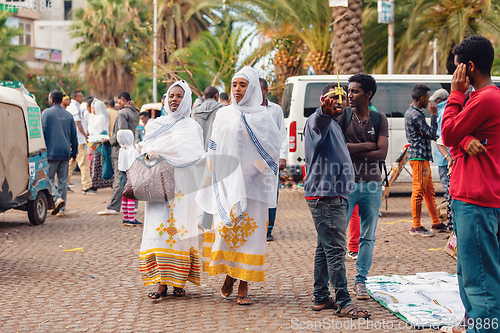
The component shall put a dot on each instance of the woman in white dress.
(243, 164)
(169, 254)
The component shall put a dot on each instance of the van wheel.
(37, 209)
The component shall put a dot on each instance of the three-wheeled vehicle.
(24, 183)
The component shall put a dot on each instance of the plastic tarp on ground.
(421, 300)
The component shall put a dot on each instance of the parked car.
(24, 182)
(301, 98)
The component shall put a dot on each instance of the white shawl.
(98, 122)
(127, 153)
(242, 154)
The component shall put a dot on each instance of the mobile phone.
(484, 142)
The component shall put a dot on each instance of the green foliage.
(214, 57)
(143, 92)
(11, 67)
(52, 79)
(114, 34)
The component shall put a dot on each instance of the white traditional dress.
(240, 185)
(169, 250)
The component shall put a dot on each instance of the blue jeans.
(59, 168)
(445, 181)
(368, 197)
(478, 263)
(330, 219)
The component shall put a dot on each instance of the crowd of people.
(225, 155)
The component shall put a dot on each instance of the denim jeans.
(478, 262)
(330, 219)
(368, 197)
(445, 181)
(59, 168)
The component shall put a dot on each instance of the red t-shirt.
(474, 179)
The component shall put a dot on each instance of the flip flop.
(229, 289)
(351, 311)
(240, 299)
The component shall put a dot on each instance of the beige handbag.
(150, 180)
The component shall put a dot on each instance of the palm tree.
(214, 57)
(114, 34)
(181, 21)
(11, 67)
(348, 38)
(448, 22)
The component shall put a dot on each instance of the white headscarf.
(184, 109)
(128, 153)
(251, 102)
(98, 122)
(243, 154)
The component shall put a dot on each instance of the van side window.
(286, 100)
(382, 99)
(401, 97)
(311, 98)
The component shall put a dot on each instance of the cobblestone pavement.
(46, 289)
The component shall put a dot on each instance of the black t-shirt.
(357, 132)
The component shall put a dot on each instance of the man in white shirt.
(78, 112)
(277, 114)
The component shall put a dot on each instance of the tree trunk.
(348, 38)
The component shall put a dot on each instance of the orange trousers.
(422, 189)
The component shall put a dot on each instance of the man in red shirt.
(473, 133)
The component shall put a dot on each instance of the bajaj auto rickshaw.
(24, 183)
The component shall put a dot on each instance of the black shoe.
(441, 227)
(90, 191)
(269, 237)
(70, 190)
(132, 223)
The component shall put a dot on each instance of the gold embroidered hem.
(238, 250)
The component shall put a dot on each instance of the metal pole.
(434, 57)
(390, 42)
(155, 50)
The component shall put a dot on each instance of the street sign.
(385, 12)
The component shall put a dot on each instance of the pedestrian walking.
(126, 157)
(127, 118)
(243, 165)
(473, 133)
(113, 113)
(329, 180)
(366, 132)
(169, 254)
(78, 111)
(139, 130)
(419, 134)
(224, 98)
(442, 157)
(277, 114)
(205, 113)
(101, 167)
(59, 132)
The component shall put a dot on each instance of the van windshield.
(287, 99)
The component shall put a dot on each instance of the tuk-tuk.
(24, 182)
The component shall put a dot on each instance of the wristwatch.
(448, 155)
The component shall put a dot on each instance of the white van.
(393, 97)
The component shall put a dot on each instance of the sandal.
(228, 288)
(351, 311)
(240, 299)
(179, 292)
(328, 305)
(157, 295)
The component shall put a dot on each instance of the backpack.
(376, 126)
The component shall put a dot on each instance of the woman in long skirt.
(242, 167)
(169, 254)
